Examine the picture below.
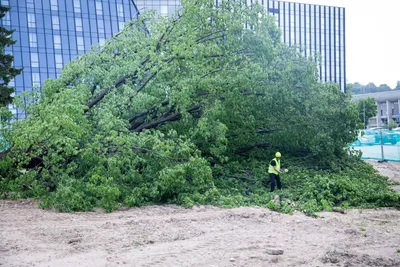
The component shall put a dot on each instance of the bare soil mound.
(202, 236)
(389, 169)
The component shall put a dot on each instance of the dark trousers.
(272, 178)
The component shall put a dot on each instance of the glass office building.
(318, 31)
(50, 33)
(163, 7)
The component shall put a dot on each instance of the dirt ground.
(389, 169)
(202, 236)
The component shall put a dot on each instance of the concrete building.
(50, 33)
(388, 107)
(320, 31)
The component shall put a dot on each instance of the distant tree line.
(357, 88)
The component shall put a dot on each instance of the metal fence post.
(383, 156)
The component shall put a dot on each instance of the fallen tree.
(170, 109)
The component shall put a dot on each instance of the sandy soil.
(202, 236)
(389, 169)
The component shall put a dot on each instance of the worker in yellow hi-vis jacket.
(274, 170)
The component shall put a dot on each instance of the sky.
(372, 39)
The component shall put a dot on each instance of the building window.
(121, 25)
(34, 60)
(54, 5)
(57, 41)
(32, 39)
(35, 79)
(11, 83)
(31, 20)
(100, 26)
(80, 43)
(101, 41)
(78, 24)
(58, 61)
(381, 112)
(164, 11)
(77, 6)
(120, 10)
(56, 22)
(5, 2)
(99, 8)
(6, 19)
(30, 4)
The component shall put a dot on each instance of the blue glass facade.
(318, 31)
(163, 7)
(49, 33)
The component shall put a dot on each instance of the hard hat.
(278, 155)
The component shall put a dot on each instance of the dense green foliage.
(367, 108)
(310, 190)
(392, 124)
(7, 72)
(190, 110)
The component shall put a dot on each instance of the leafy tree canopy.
(187, 110)
(397, 86)
(367, 108)
(392, 124)
(7, 72)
